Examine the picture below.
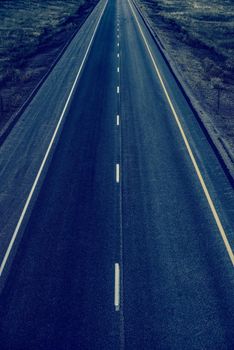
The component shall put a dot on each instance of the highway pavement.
(116, 217)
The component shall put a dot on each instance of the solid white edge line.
(202, 182)
(2, 266)
(117, 173)
(117, 119)
(117, 287)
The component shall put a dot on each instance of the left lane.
(22, 152)
(59, 293)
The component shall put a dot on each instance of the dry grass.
(199, 38)
(32, 32)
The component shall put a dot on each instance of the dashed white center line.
(117, 35)
(117, 287)
(117, 89)
(118, 55)
(117, 120)
(117, 173)
(118, 44)
(118, 69)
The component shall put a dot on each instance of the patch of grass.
(25, 23)
(32, 32)
(202, 24)
(199, 38)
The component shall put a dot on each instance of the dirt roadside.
(33, 35)
(197, 66)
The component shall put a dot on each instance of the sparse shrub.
(212, 69)
(26, 76)
(8, 76)
(230, 63)
(16, 100)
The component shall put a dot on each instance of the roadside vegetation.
(198, 36)
(32, 33)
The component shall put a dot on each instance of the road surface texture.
(116, 222)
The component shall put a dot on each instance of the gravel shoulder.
(197, 39)
(32, 35)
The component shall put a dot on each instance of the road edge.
(12, 247)
(16, 116)
(228, 172)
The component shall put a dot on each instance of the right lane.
(178, 278)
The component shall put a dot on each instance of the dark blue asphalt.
(177, 281)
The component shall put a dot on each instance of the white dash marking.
(118, 36)
(117, 287)
(118, 69)
(117, 173)
(118, 44)
(118, 55)
(117, 89)
(117, 120)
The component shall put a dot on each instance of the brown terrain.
(32, 35)
(198, 41)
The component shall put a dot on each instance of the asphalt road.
(126, 239)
